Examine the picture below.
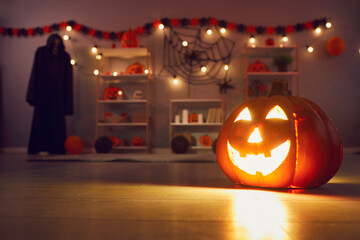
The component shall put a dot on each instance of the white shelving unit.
(266, 55)
(117, 60)
(199, 106)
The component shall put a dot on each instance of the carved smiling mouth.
(259, 163)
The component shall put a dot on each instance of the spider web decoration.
(202, 50)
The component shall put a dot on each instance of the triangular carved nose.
(255, 136)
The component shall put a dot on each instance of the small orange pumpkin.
(193, 118)
(258, 66)
(129, 39)
(269, 42)
(115, 140)
(206, 141)
(135, 68)
(111, 93)
(335, 46)
(137, 141)
(74, 145)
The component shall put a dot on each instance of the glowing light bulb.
(203, 69)
(252, 39)
(223, 30)
(96, 72)
(94, 49)
(310, 49)
(115, 73)
(209, 32)
(328, 25)
(185, 43)
(68, 28)
(72, 62)
(318, 30)
(226, 67)
(66, 37)
(98, 57)
(146, 71)
(120, 93)
(175, 80)
(161, 26)
(285, 39)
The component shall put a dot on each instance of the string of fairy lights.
(209, 24)
(252, 40)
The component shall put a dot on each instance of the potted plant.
(282, 61)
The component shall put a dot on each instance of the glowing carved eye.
(244, 115)
(276, 112)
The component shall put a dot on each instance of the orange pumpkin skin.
(74, 145)
(137, 141)
(206, 141)
(129, 39)
(193, 118)
(335, 46)
(111, 93)
(258, 66)
(315, 152)
(115, 140)
(135, 68)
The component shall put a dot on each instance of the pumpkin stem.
(279, 87)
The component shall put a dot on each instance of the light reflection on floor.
(260, 218)
(67, 200)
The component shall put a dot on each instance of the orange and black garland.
(149, 28)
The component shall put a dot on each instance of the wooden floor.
(125, 200)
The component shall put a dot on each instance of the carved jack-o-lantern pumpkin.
(112, 93)
(258, 66)
(206, 141)
(193, 118)
(135, 68)
(137, 141)
(279, 142)
(129, 39)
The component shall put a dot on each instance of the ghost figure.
(50, 92)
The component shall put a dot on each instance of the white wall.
(332, 82)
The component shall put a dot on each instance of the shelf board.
(130, 147)
(272, 73)
(124, 101)
(200, 147)
(127, 124)
(195, 124)
(124, 76)
(290, 47)
(195, 100)
(269, 51)
(125, 52)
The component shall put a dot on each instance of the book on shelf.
(214, 115)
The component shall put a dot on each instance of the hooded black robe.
(50, 91)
